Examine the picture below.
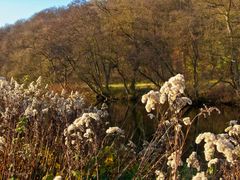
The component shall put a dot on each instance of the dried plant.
(221, 152)
(45, 135)
(163, 155)
(32, 121)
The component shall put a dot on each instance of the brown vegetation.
(126, 41)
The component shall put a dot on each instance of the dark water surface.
(133, 118)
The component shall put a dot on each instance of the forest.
(101, 43)
(122, 89)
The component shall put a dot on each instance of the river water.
(133, 118)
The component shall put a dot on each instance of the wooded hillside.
(127, 41)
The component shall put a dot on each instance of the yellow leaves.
(211, 170)
(108, 156)
(109, 160)
(57, 166)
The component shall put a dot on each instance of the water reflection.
(133, 118)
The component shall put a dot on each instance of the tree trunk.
(195, 60)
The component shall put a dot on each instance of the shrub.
(53, 136)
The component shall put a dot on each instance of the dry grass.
(45, 134)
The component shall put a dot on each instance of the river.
(133, 118)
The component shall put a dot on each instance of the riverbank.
(220, 94)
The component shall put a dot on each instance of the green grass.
(139, 85)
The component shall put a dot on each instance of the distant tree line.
(100, 42)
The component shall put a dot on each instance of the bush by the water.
(46, 135)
